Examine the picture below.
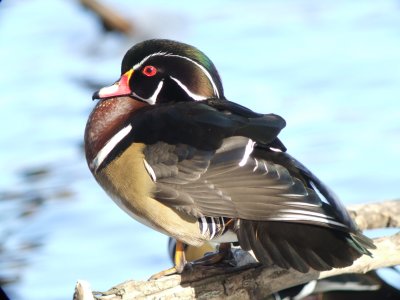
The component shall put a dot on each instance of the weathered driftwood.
(376, 215)
(254, 281)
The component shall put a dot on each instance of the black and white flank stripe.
(212, 227)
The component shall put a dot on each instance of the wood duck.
(176, 155)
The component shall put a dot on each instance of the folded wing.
(236, 168)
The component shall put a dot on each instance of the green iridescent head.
(159, 71)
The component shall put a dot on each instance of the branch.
(376, 215)
(110, 19)
(254, 281)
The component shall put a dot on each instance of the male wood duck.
(176, 155)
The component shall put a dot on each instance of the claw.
(170, 271)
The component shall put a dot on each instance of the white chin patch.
(153, 99)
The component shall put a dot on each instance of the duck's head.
(159, 71)
(152, 72)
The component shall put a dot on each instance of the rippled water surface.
(332, 70)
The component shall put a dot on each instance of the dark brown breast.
(106, 119)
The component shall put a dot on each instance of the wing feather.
(212, 183)
(224, 174)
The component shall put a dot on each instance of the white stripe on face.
(108, 147)
(204, 70)
(139, 64)
(187, 91)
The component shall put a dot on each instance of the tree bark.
(254, 281)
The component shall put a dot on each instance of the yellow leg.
(179, 260)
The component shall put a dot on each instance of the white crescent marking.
(108, 147)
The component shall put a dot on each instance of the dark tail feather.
(356, 239)
(362, 243)
(301, 246)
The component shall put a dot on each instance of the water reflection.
(19, 206)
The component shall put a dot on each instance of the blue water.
(331, 69)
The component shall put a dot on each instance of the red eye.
(149, 71)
